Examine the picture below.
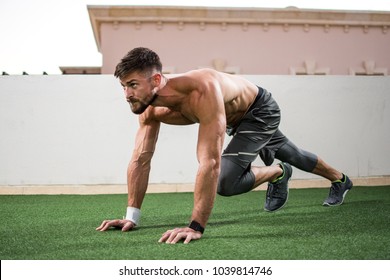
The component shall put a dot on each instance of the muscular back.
(238, 95)
(183, 93)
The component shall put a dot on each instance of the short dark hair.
(138, 59)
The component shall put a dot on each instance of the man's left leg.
(238, 175)
(277, 190)
(254, 132)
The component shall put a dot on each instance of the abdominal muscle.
(236, 108)
(238, 94)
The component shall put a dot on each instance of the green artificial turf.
(63, 227)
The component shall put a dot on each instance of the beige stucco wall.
(248, 41)
(253, 51)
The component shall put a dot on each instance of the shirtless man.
(219, 102)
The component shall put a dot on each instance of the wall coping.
(224, 16)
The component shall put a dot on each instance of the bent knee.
(229, 185)
(225, 187)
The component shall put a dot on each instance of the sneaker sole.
(338, 204)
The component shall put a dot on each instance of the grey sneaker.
(337, 192)
(277, 192)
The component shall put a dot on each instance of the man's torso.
(186, 92)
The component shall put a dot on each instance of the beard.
(139, 106)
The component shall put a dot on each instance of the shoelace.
(269, 190)
(274, 191)
(334, 191)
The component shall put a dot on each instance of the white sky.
(41, 35)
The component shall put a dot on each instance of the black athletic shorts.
(257, 133)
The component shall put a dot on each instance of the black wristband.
(196, 226)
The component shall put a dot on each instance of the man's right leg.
(306, 161)
(340, 183)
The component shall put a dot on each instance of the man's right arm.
(139, 166)
(137, 173)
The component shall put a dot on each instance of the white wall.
(80, 130)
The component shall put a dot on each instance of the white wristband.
(133, 214)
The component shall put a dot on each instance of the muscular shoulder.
(196, 80)
(205, 80)
(208, 77)
(148, 116)
(163, 115)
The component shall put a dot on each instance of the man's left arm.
(212, 124)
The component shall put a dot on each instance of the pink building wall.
(250, 48)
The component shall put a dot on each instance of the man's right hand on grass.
(125, 225)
